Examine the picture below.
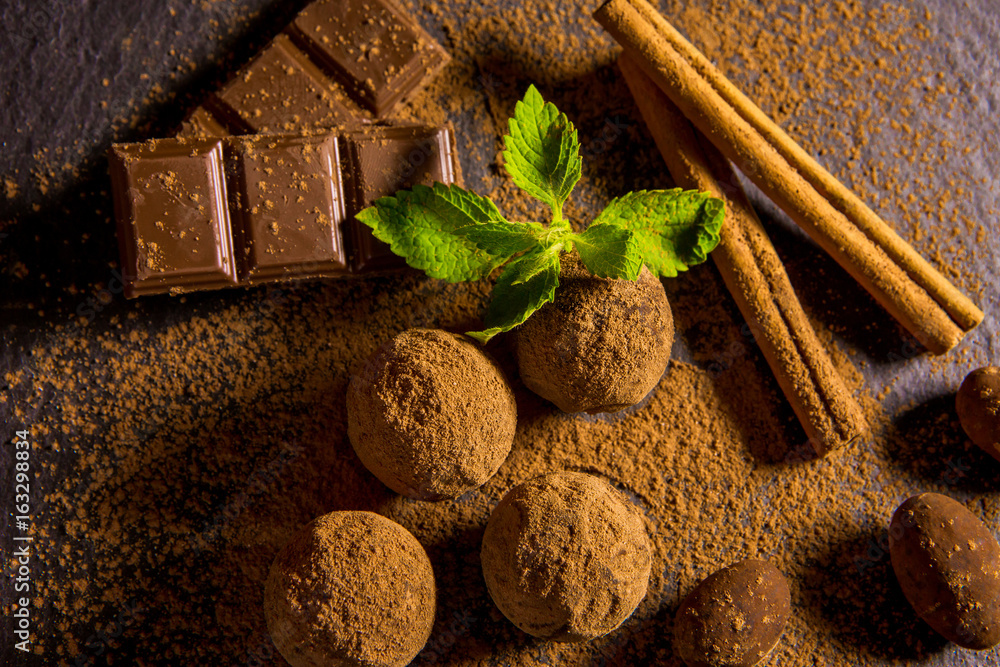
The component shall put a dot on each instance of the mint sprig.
(674, 229)
(457, 235)
(543, 154)
(527, 284)
(421, 224)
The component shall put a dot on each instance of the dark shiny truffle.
(948, 564)
(978, 407)
(734, 617)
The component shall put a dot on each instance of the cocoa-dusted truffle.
(431, 415)
(734, 617)
(601, 346)
(947, 562)
(566, 557)
(978, 407)
(352, 589)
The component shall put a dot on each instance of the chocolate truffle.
(948, 564)
(978, 407)
(566, 557)
(601, 346)
(352, 589)
(431, 415)
(734, 617)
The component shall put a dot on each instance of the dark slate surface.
(70, 86)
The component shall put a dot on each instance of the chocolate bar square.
(372, 47)
(282, 91)
(174, 228)
(291, 207)
(382, 161)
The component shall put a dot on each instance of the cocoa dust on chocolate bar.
(190, 454)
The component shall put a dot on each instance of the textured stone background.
(68, 88)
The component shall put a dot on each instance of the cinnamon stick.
(754, 274)
(905, 284)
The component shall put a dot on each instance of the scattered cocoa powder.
(180, 442)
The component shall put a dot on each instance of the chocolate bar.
(377, 162)
(339, 62)
(198, 214)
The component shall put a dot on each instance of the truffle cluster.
(566, 557)
(431, 415)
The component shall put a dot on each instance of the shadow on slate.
(67, 236)
(954, 465)
(463, 611)
(852, 593)
(835, 298)
(713, 328)
(647, 641)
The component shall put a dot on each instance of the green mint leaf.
(527, 284)
(504, 239)
(421, 226)
(609, 251)
(674, 229)
(535, 263)
(543, 154)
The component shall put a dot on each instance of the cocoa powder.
(566, 557)
(352, 589)
(182, 442)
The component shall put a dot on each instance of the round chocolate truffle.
(566, 557)
(431, 415)
(601, 346)
(978, 407)
(352, 589)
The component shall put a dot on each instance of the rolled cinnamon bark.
(754, 274)
(905, 284)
